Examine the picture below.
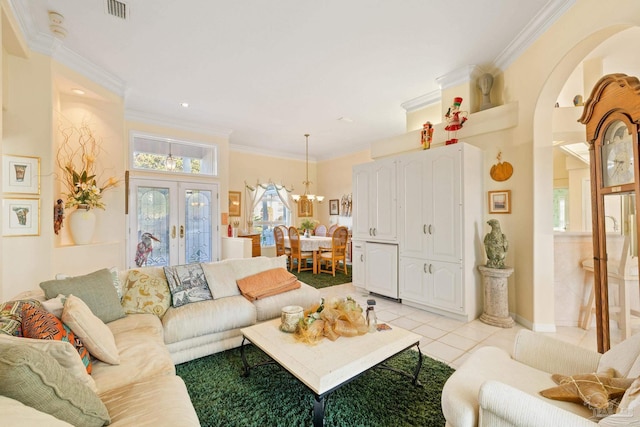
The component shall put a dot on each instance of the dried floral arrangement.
(76, 157)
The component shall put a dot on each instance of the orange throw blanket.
(267, 283)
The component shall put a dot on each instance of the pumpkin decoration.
(501, 171)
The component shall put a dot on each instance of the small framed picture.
(500, 202)
(20, 174)
(334, 207)
(21, 217)
(234, 203)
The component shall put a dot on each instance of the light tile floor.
(451, 341)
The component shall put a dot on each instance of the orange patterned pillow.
(40, 324)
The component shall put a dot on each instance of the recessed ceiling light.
(77, 91)
(184, 104)
(345, 119)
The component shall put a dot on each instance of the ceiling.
(267, 72)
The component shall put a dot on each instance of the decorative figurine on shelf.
(485, 82)
(455, 119)
(501, 171)
(426, 135)
(496, 245)
(58, 215)
(144, 248)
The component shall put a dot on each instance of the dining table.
(311, 244)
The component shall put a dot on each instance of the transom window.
(159, 154)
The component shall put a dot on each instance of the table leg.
(315, 262)
(318, 411)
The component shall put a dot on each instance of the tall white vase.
(82, 224)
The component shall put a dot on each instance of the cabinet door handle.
(370, 232)
(430, 229)
(374, 231)
(173, 232)
(361, 257)
(424, 229)
(425, 267)
(430, 268)
(182, 231)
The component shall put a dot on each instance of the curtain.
(254, 195)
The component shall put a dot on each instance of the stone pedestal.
(496, 296)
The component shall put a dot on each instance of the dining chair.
(332, 229)
(278, 235)
(321, 230)
(296, 254)
(330, 258)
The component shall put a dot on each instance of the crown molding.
(536, 27)
(52, 46)
(422, 101)
(269, 153)
(159, 120)
(456, 77)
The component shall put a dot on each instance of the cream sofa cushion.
(271, 307)
(143, 354)
(94, 334)
(161, 401)
(26, 416)
(207, 317)
(221, 279)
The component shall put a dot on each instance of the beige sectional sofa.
(143, 389)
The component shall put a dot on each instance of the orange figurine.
(427, 135)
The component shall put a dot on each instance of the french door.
(172, 223)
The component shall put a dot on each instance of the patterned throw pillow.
(146, 292)
(40, 324)
(187, 284)
(11, 316)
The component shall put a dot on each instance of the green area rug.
(323, 280)
(271, 396)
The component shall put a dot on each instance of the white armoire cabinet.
(374, 201)
(440, 219)
(438, 205)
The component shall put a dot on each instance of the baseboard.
(536, 327)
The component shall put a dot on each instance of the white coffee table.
(328, 365)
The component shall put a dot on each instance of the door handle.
(374, 231)
(182, 231)
(430, 268)
(424, 229)
(430, 229)
(361, 257)
(370, 232)
(173, 232)
(425, 267)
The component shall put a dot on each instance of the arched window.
(269, 212)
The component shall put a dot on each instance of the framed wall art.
(500, 202)
(20, 174)
(22, 217)
(234, 203)
(334, 207)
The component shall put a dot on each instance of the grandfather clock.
(611, 115)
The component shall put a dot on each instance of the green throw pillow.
(36, 379)
(95, 289)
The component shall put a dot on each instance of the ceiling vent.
(117, 8)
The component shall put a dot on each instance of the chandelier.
(307, 196)
(170, 162)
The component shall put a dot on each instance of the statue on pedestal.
(496, 245)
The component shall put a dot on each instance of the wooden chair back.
(278, 235)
